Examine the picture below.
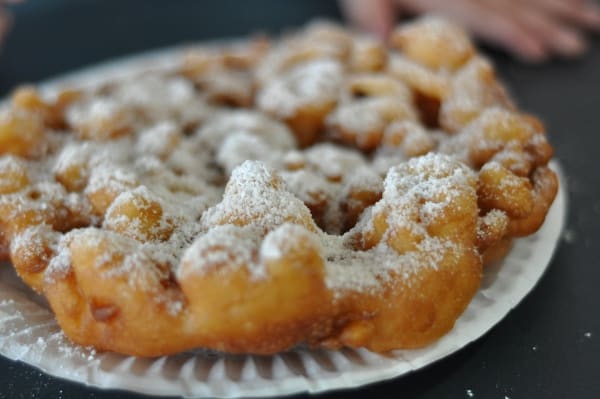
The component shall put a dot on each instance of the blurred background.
(54, 36)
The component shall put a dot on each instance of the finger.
(5, 23)
(546, 28)
(376, 16)
(583, 13)
(557, 36)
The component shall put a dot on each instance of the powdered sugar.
(286, 238)
(159, 139)
(359, 117)
(34, 241)
(424, 187)
(224, 124)
(255, 195)
(222, 250)
(60, 264)
(239, 147)
(312, 83)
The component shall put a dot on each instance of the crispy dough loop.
(284, 307)
(14, 175)
(375, 102)
(500, 189)
(409, 137)
(30, 252)
(404, 220)
(473, 89)
(497, 130)
(368, 55)
(139, 214)
(113, 285)
(545, 187)
(223, 77)
(303, 96)
(27, 98)
(22, 134)
(434, 43)
(431, 84)
(491, 228)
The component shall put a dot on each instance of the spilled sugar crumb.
(569, 236)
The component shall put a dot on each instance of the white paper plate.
(28, 331)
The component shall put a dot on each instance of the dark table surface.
(548, 347)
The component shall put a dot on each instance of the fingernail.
(569, 43)
(592, 14)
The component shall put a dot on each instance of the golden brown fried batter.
(321, 189)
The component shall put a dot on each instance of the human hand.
(5, 18)
(533, 30)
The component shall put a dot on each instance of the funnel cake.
(322, 189)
